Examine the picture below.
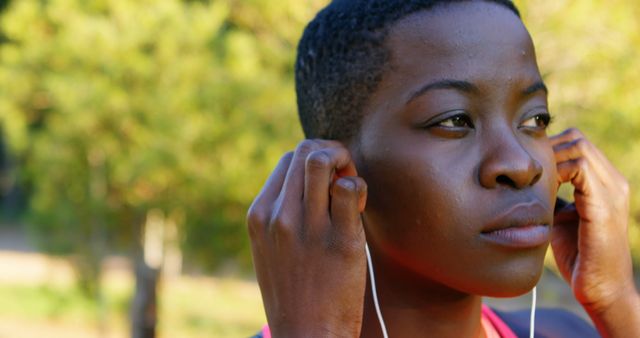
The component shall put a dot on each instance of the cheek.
(549, 180)
(421, 214)
(413, 203)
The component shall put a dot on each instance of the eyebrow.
(538, 86)
(459, 85)
(468, 87)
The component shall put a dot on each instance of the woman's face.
(453, 146)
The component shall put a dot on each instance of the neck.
(413, 306)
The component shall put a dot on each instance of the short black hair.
(341, 59)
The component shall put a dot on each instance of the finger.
(576, 149)
(362, 198)
(346, 198)
(320, 168)
(578, 145)
(573, 135)
(260, 211)
(572, 144)
(273, 186)
(348, 170)
(577, 172)
(566, 136)
(567, 151)
(564, 239)
(582, 148)
(292, 190)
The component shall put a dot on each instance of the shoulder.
(550, 322)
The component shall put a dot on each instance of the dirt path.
(13, 237)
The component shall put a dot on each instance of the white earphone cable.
(375, 293)
(533, 313)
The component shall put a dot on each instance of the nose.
(506, 162)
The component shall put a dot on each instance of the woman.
(433, 114)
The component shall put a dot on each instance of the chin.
(514, 287)
(512, 280)
(503, 276)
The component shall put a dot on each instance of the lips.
(524, 225)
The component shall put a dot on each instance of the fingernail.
(347, 184)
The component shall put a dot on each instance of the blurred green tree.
(122, 113)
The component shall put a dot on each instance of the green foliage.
(115, 108)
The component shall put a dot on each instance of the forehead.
(474, 39)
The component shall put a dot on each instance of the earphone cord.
(375, 293)
(533, 313)
(379, 313)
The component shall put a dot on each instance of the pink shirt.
(493, 326)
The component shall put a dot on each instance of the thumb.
(564, 239)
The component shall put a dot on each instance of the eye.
(457, 121)
(539, 121)
(453, 124)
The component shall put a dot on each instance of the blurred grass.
(45, 303)
(189, 307)
(208, 307)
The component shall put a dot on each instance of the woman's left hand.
(589, 237)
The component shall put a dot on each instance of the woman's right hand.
(308, 243)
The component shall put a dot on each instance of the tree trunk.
(144, 314)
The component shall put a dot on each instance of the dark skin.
(454, 135)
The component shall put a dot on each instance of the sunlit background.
(134, 135)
